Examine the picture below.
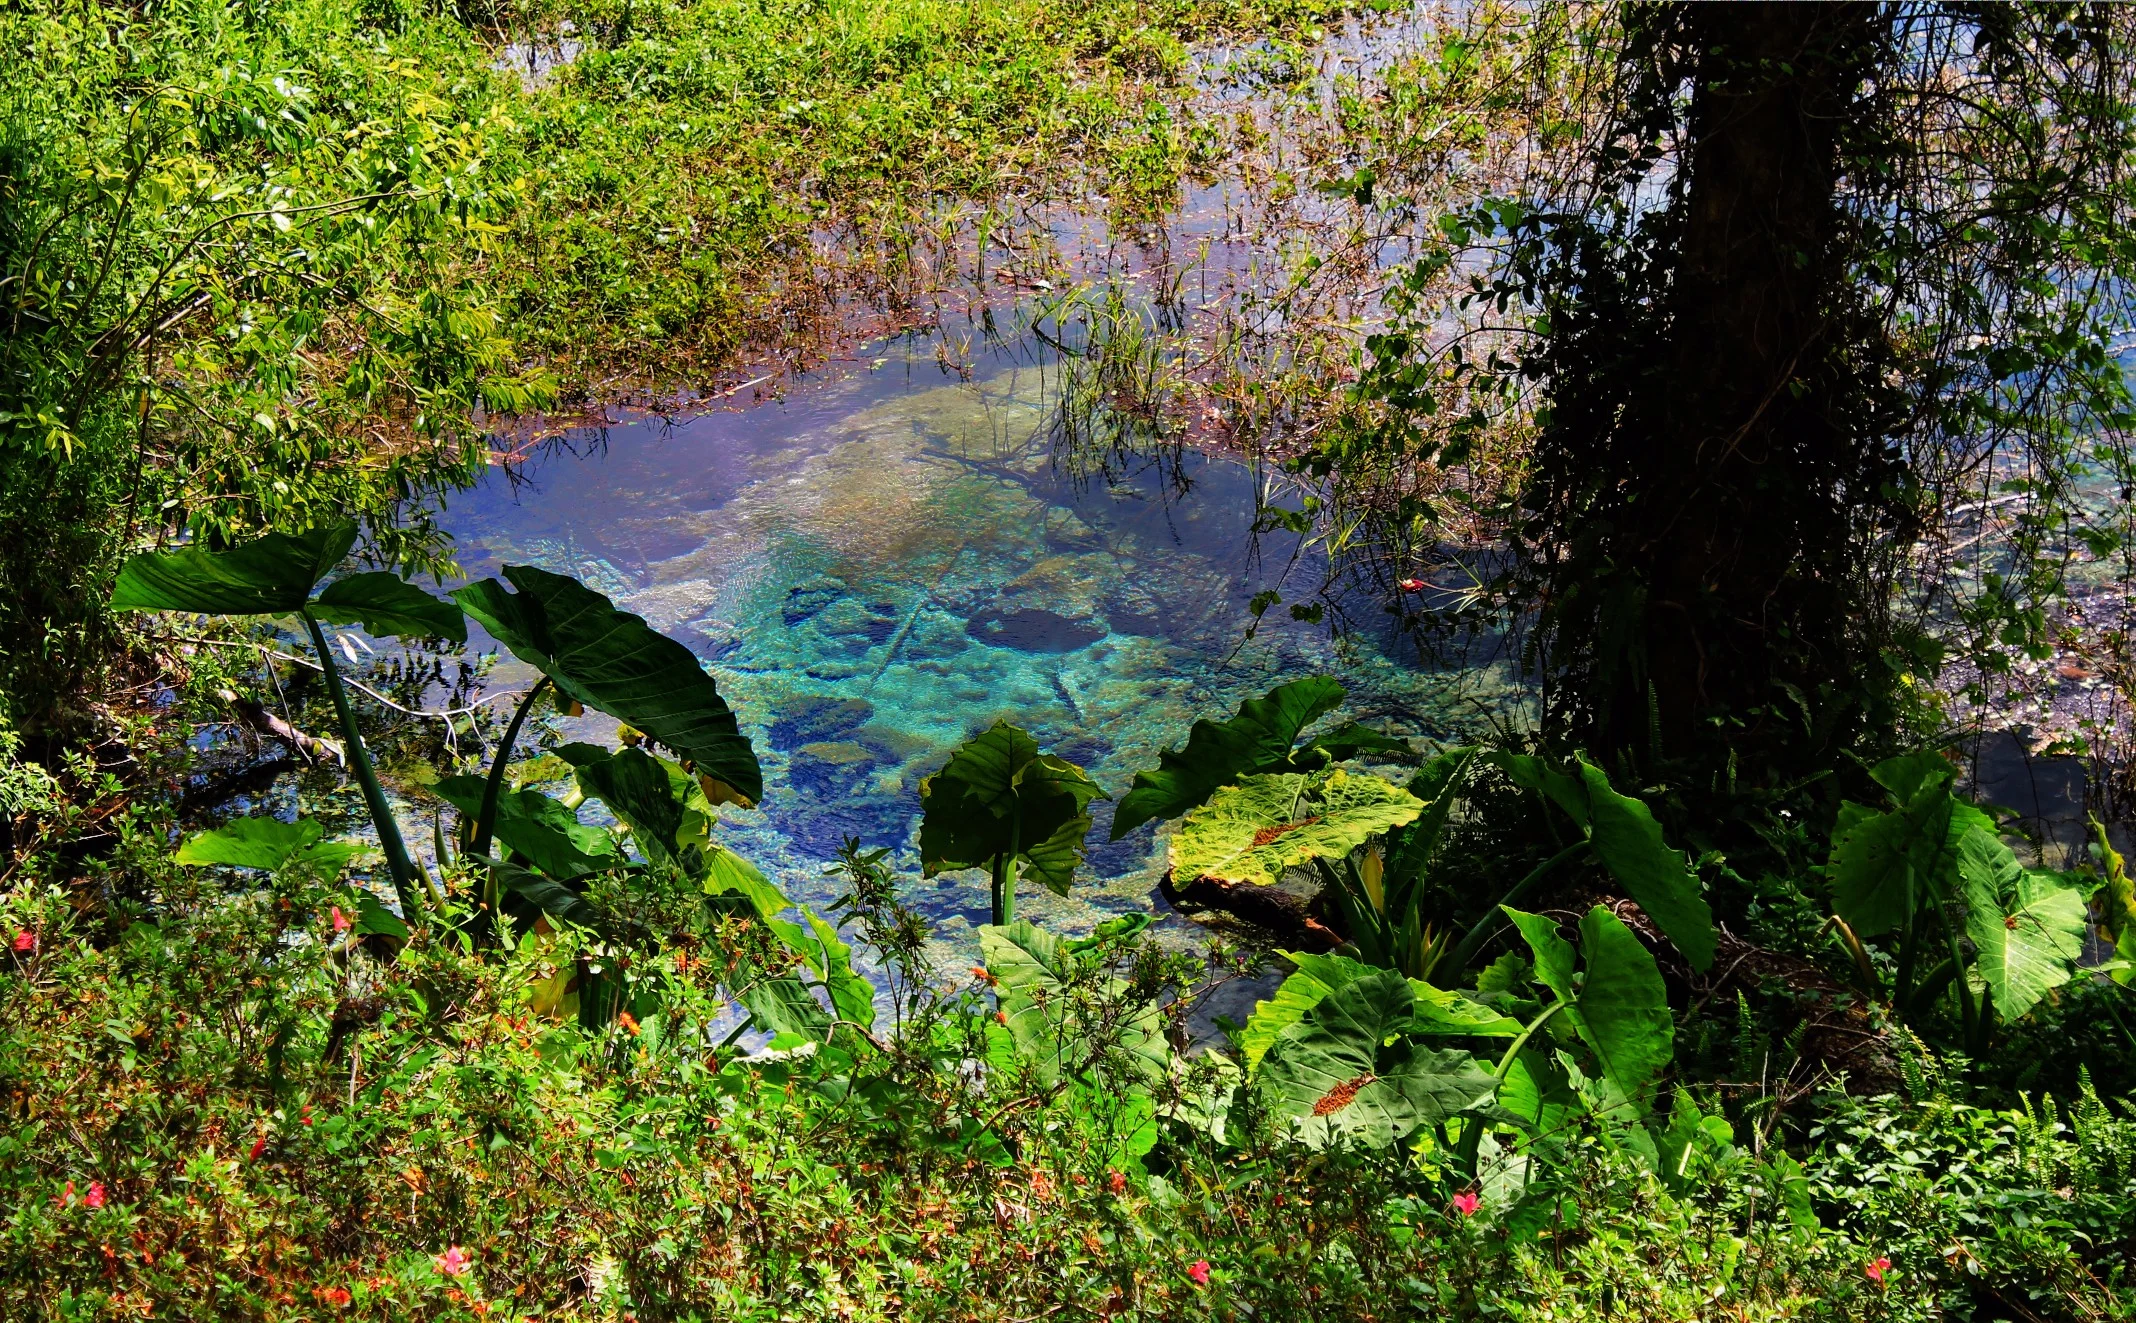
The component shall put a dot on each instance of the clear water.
(879, 566)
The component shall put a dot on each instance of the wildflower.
(25, 941)
(630, 1025)
(1002, 1016)
(1117, 1181)
(66, 1196)
(1412, 585)
(305, 1115)
(341, 925)
(1198, 1272)
(337, 1296)
(259, 1146)
(1876, 1268)
(453, 1262)
(1465, 1203)
(95, 1197)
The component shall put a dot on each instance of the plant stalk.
(374, 795)
(486, 820)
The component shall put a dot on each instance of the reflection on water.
(880, 566)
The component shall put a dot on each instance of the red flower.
(1876, 1268)
(337, 1296)
(1465, 1203)
(259, 1146)
(1118, 1182)
(95, 1197)
(453, 1262)
(305, 1116)
(25, 940)
(66, 1196)
(1411, 585)
(341, 925)
(1198, 1272)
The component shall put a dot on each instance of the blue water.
(880, 564)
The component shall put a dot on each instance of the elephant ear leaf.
(1253, 831)
(268, 576)
(999, 795)
(1315, 977)
(1258, 739)
(1623, 1008)
(270, 844)
(638, 790)
(1332, 1077)
(543, 829)
(2028, 927)
(614, 662)
(1629, 843)
(385, 603)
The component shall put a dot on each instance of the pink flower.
(95, 1197)
(1465, 1203)
(1198, 1272)
(25, 941)
(453, 1262)
(341, 921)
(1876, 1268)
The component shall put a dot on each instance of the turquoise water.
(879, 565)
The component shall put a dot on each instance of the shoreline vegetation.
(331, 988)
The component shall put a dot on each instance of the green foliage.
(1617, 1005)
(613, 661)
(1002, 804)
(1331, 1078)
(1266, 824)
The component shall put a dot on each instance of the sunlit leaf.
(614, 662)
(2027, 927)
(385, 603)
(1255, 830)
(1217, 753)
(271, 575)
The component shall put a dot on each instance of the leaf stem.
(374, 795)
(486, 820)
(1505, 1063)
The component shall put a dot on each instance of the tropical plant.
(1002, 805)
(1972, 925)
(587, 650)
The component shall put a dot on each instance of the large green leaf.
(638, 790)
(1886, 866)
(1253, 831)
(2027, 927)
(1333, 1076)
(543, 829)
(385, 603)
(785, 1006)
(613, 661)
(271, 844)
(1437, 1012)
(1258, 739)
(998, 796)
(1623, 1008)
(527, 894)
(1315, 978)
(1619, 1007)
(728, 873)
(1628, 841)
(269, 576)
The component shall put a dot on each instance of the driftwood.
(257, 718)
(1288, 918)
